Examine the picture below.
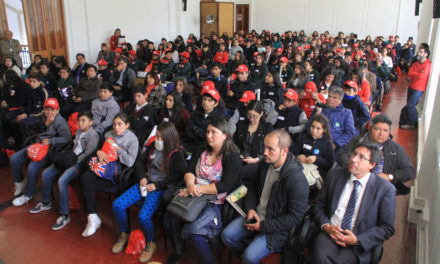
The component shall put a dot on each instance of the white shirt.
(336, 219)
(78, 149)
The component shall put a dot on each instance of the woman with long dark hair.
(175, 113)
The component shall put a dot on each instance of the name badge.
(316, 151)
(307, 147)
(241, 118)
(152, 156)
(281, 117)
(166, 119)
(271, 93)
(257, 70)
(337, 124)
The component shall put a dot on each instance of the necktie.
(349, 212)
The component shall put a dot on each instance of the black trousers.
(91, 184)
(174, 230)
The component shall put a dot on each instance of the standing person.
(157, 168)
(418, 75)
(355, 210)
(275, 203)
(114, 39)
(11, 47)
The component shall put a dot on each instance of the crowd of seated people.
(287, 115)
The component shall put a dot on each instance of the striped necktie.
(349, 211)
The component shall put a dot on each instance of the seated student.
(140, 113)
(312, 73)
(55, 132)
(196, 128)
(157, 169)
(183, 69)
(9, 64)
(240, 113)
(272, 64)
(175, 113)
(220, 82)
(249, 138)
(185, 92)
(235, 92)
(221, 56)
(215, 169)
(48, 80)
(314, 146)
(272, 88)
(275, 203)
(79, 69)
(290, 117)
(285, 69)
(153, 64)
(353, 102)
(37, 60)
(328, 79)
(309, 97)
(13, 99)
(166, 66)
(103, 73)
(238, 60)
(355, 210)
(340, 118)
(85, 143)
(135, 63)
(105, 54)
(259, 71)
(31, 115)
(395, 165)
(84, 93)
(104, 108)
(126, 144)
(123, 79)
(65, 84)
(364, 87)
(299, 78)
(156, 93)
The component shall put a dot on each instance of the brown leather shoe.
(148, 252)
(120, 244)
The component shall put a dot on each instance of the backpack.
(73, 123)
(136, 243)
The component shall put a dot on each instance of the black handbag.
(62, 156)
(189, 208)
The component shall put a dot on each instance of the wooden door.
(242, 18)
(45, 27)
(225, 18)
(3, 20)
(208, 9)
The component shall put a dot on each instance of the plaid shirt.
(157, 97)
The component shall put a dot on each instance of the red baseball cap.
(156, 52)
(299, 48)
(52, 102)
(208, 85)
(233, 76)
(242, 68)
(102, 62)
(284, 59)
(189, 41)
(351, 84)
(355, 45)
(307, 47)
(132, 52)
(338, 50)
(118, 50)
(291, 94)
(256, 53)
(390, 36)
(247, 96)
(310, 87)
(389, 46)
(184, 54)
(213, 93)
(280, 50)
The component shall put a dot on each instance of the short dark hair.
(91, 66)
(140, 88)
(123, 58)
(35, 75)
(425, 47)
(44, 63)
(80, 54)
(216, 64)
(375, 152)
(107, 85)
(87, 114)
(381, 118)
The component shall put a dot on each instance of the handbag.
(62, 156)
(189, 208)
(108, 171)
(37, 152)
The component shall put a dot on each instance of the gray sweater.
(58, 132)
(103, 113)
(89, 143)
(128, 146)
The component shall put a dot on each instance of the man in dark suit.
(79, 69)
(355, 210)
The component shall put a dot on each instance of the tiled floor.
(26, 238)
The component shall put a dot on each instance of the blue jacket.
(359, 111)
(341, 124)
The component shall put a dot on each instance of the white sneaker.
(19, 201)
(19, 187)
(93, 223)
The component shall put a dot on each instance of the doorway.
(242, 18)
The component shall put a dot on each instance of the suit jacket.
(375, 220)
(5, 47)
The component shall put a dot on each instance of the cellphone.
(251, 221)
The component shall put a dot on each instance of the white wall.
(372, 17)
(91, 22)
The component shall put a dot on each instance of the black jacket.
(196, 128)
(359, 110)
(271, 92)
(238, 88)
(35, 101)
(287, 203)
(82, 74)
(142, 122)
(396, 162)
(221, 84)
(50, 82)
(256, 147)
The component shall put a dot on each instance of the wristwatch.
(391, 177)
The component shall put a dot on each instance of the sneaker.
(19, 201)
(19, 187)
(40, 207)
(61, 222)
(93, 224)
(148, 252)
(120, 244)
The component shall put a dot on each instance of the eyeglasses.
(253, 116)
(360, 156)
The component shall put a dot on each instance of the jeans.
(412, 99)
(250, 245)
(16, 162)
(68, 175)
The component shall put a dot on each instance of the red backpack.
(73, 123)
(136, 243)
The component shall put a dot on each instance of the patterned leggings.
(130, 197)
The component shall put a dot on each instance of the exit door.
(242, 18)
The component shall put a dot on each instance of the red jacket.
(307, 104)
(364, 92)
(114, 42)
(221, 57)
(419, 75)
